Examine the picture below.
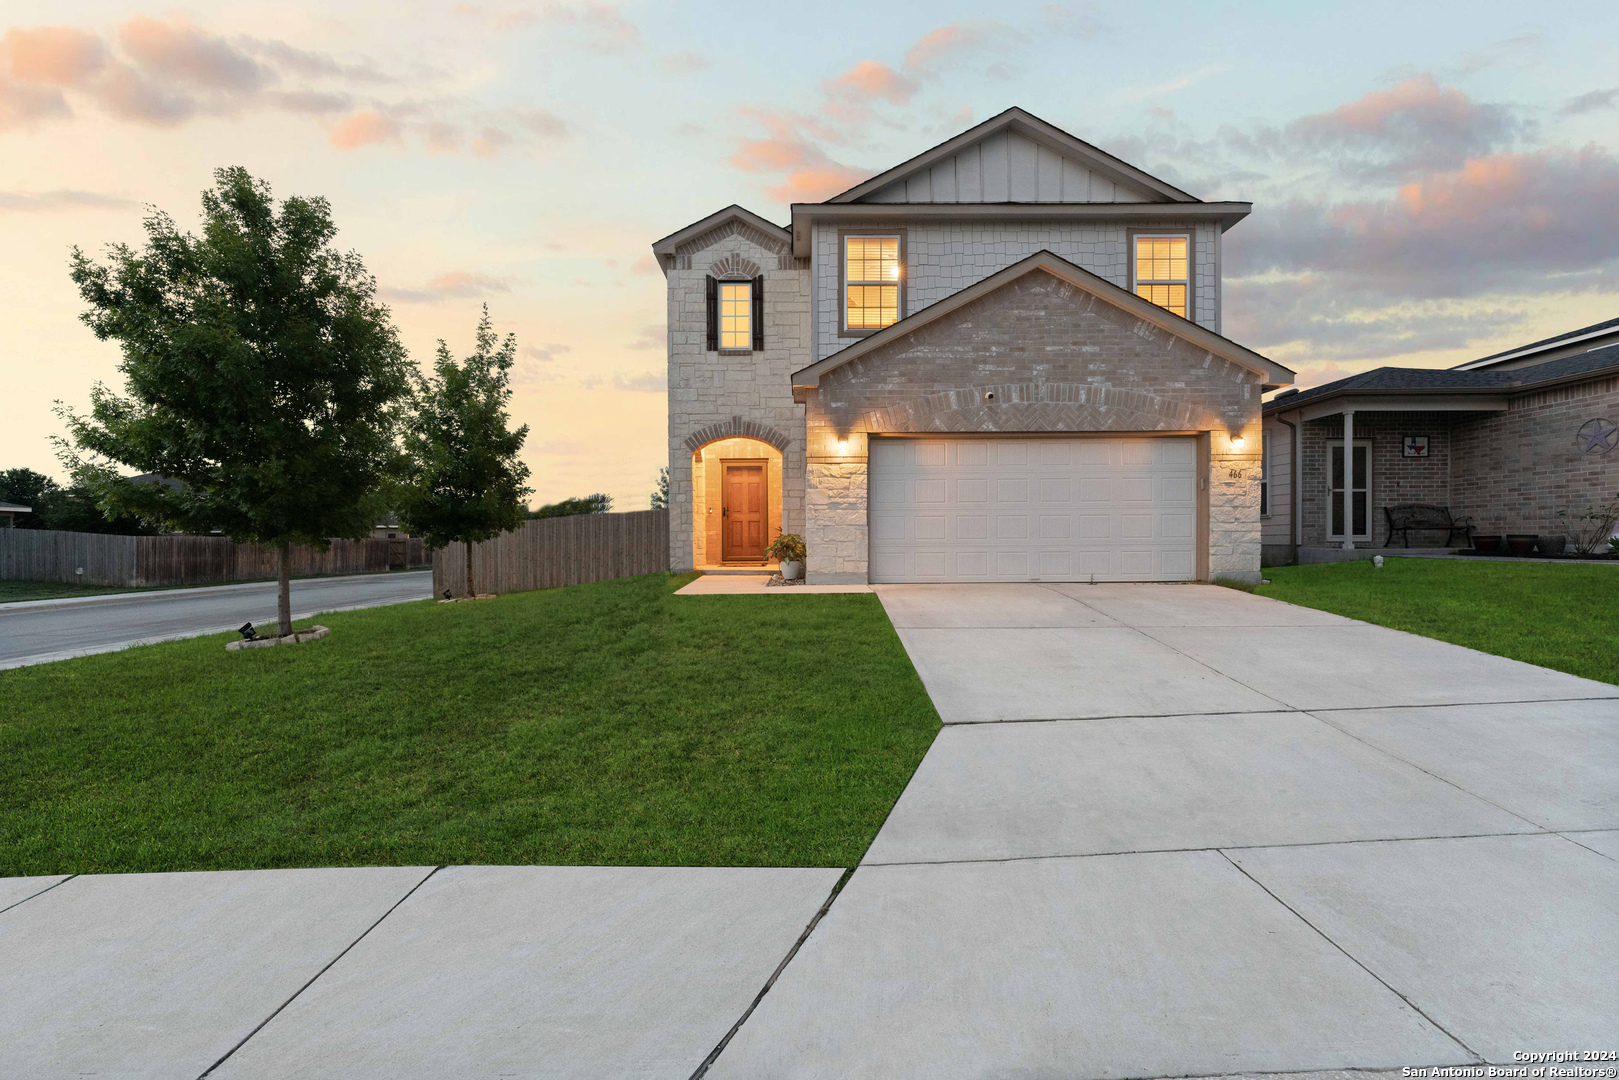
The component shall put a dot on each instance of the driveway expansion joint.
(1477, 1059)
(311, 981)
(41, 892)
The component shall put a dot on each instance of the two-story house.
(998, 361)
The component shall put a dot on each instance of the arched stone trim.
(1041, 407)
(776, 244)
(735, 266)
(736, 428)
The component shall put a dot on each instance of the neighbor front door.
(1360, 495)
(743, 509)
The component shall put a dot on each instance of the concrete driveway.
(39, 631)
(1182, 830)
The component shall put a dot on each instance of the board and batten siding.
(1006, 167)
(547, 553)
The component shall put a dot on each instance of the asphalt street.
(38, 631)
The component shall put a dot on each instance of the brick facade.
(722, 395)
(1057, 359)
(1510, 471)
(1515, 470)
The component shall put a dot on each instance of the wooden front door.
(743, 510)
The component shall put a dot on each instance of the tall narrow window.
(736, 314)
(1162, 271)
(871, 282)
(1264, 475)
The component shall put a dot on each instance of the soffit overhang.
(805, 215)
(1272, 374)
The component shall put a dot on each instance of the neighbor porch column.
(1349, 480)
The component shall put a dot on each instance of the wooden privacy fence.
(50, 555)
(549, 552)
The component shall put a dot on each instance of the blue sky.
(1431, 181)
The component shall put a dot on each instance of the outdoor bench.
(1402, 519)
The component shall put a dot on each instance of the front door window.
(1360, 497)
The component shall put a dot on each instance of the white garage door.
(1058, 509)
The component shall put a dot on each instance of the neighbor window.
(871, 282)
(1162, 271)
(736, 315)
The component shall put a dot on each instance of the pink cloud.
(817, 182)
(869, 79)
(52, 55)
(24, 106)
(182, 52)
(646, 264)
(128, 95)
(490, 141)
(955, 40)
(452, 285)
(363, 127)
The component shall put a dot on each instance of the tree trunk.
(470, 590)
(283, 599)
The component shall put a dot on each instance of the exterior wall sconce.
(843, 446)
(1236, 442)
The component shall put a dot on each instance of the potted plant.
(788, 550)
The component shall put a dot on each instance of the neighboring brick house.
(1509, 440)
(998, 361)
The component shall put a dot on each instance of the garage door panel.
(1062, 509)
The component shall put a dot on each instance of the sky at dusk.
(1431, 181)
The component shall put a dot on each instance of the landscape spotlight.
(247, 632)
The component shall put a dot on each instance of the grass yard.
(609, 723)
(1555, 615)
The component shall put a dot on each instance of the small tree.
(464, 481)
(660, 494)
(599, 503)
(261, 375)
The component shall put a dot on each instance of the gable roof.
(774, 235)
(1417, 381)
(1143, 187)
(1273, 373)
(1601, 329)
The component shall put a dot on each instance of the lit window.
(1161, 271)
(871, 274)
(736, 315)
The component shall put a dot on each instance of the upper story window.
(1163, 272)
(872, 282)
(736, 315)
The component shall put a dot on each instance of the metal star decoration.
(1597, 436)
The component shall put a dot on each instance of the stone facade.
(723, 395)
(941, 259)
(1056, 358)
(1511, 471)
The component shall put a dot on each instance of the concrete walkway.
(1184, 830)
(1167, 831)
(39, 631)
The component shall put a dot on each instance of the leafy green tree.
(25, 487)
(464, 480)
(260, 373)
(586, 504)
(660, 494)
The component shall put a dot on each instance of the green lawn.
(607, 723)
(1556, 615)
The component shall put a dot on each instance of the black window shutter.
(713, 313)
(759, 312)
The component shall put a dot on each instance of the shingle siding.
(944, 258)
